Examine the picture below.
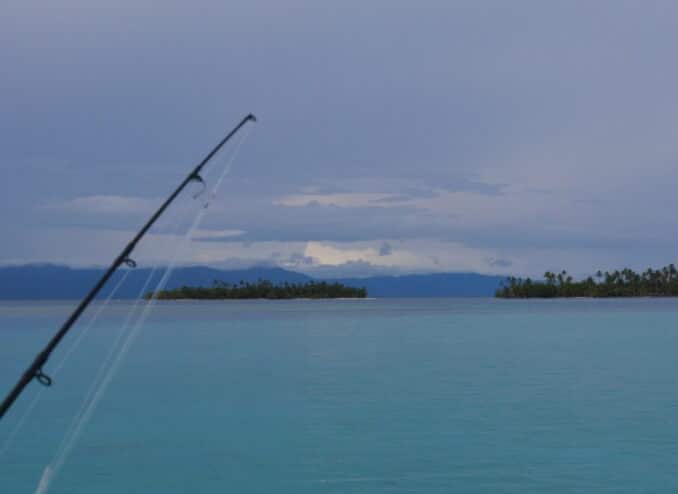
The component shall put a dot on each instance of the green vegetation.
(262, 289)
(625, 283)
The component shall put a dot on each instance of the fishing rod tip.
(251, 117)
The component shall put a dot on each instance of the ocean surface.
(355, 396)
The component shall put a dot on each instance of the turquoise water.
(370, 396)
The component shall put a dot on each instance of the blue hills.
(47, 281)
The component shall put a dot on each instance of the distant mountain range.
(46, 281)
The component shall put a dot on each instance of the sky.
(393, 137)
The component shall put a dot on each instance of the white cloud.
(104, 204)
(203, 234)
(342, 200)
(337, 254)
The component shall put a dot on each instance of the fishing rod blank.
(35, 371)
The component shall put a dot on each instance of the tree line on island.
(262, 289)
(625, 283)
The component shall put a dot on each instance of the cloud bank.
(393, 138)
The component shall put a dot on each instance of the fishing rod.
(35, 371)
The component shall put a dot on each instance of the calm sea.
(368, 396)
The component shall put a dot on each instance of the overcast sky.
(496, 137)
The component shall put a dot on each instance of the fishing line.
(176, 220)
(57, 369)
(96, 382)
(73, 430)
(118, 351)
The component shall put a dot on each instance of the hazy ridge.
(46, 281)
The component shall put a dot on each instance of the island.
(661, 282)
(262, 289)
